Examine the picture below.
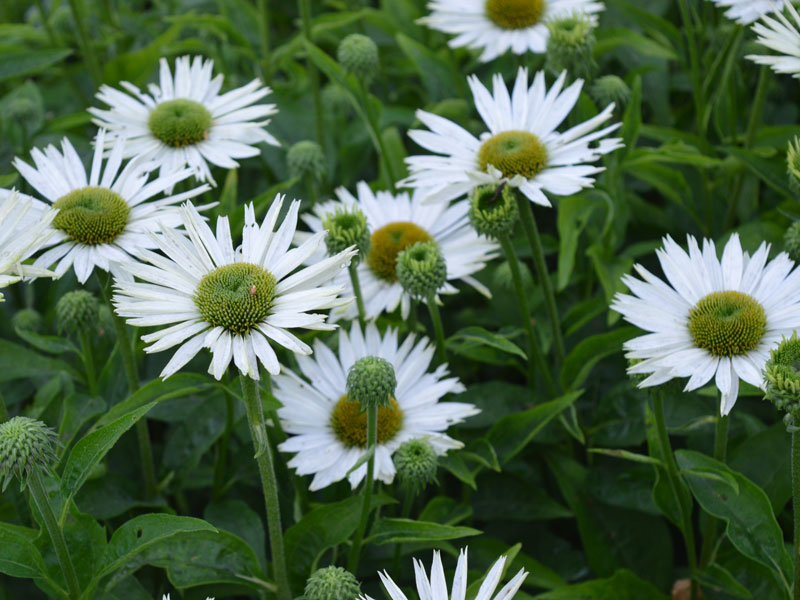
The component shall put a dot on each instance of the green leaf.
(582, 358)
(623, 585)
(454, 463)
(573, 214)
(91, 449)
(17, 362)
(52, 344)
(27, 62)
(438, 75)
(610, 38)
(718, 577)
(19, 556)
(770, 173)
(752, 527)
(399, 531)
(472, 336)
(626, 455)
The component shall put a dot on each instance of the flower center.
(350, 424)
(513, 153)
(91, 215)
(727, 323)
(387, 242)
(515, 14)
(237, 297)
(180, 122)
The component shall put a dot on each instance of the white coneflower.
(396, 222)
(522, 146)
(781, 35)
(103, 218)
(186, 121)
(714, 318)
(234, 301)
(748, 11)
(497, 26)
(329, 433)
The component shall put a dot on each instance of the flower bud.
(782, 380)
(791, 241)
(27, 319)
(25, 444)
(346, 228)
(793, 163)
(332, 583)
(358, 55)
(493, 210)
(371, 382)
(608, 89)
(306, 159)
(570, 46)
(421, 269)
(416, 463)
(77, 312)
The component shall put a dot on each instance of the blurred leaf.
(17, 362)
(14, 63)
(464, 339)
(582, 358)
(398, 531)
(623, 585)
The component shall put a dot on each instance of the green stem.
(88, 362)
(269, 484)
(409, 497)
(525, 310)
(535, 242)
(694, 62)
(313, 74)
(263, 33)
(673, 477)
(372, 440)
(54, 531)
(46, 23)
(375, 132)
(357, 291)
(3, 410)
(85, 43)
(441, 355)
(796, 509)
(222, 455)
(710, 524)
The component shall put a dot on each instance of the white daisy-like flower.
(497, 26)
(435, 587)
(396, 222)
(329, 434)
(714, 318)
(234, 301)
(103, 218)
(186, 121)
(522, 146)
(783, 36)
(24, 229)
(745, 12)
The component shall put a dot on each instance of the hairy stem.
(372, 440)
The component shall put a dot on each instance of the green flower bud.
(306, 159)
(570, 46)
(791, 241)
(25, 444)
(503, 278)
(27, 319)
(371, 381)
(77, 312)
(335, 99)
(358, 55)
(782, 380)
(608, 89)
(346, 228)
(493, 210)
(416, 463)
(421, 269)
(332, 583)
(793, 163)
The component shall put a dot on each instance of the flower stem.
(86, 46)
(375, 132)
(3, 410)
(263, 31)
(357, 291)
(535, 242)
(54, 531)
(525, 310)
(372, 440)
(88, 362)
(796, 509)
(694, 62)
(313, 75)
(269, 484)
(441, 355)
(221, 462)
(710, 524)
(674, 478)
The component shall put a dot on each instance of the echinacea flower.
(328, 432)
(745, 12)
(497, 26)
(521, 148)
(783, 36)
(712, 318)
(103, 218)
(234, 301)
(435, 587)
(186, 121)
(395, 222)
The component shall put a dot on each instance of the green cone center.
(389, 241)
(237, 297)
(91, 215)
(513, 153)
(727, 323)
(349, 423)
(180, 122)
(515, 14)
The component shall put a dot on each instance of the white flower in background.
(748, 11)
(497, 26)
(522, 146)
(234, 301)
(781, 35)
(396, 222)
(435, 587)
(714, 318)
(24, 228)
(103, 218)
(329, 434)
(186, 121)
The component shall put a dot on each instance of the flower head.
(712, 318)
(358, 55)
(77, 312)
(185, 120)
(25, 444)
(234, 301)
(522, 147)
(416, 463)
(332, 583)
(421, 270)
(371, 382)
(306, 159)
(570, 45)
(782, 379)
(328, 432)
(493, 210)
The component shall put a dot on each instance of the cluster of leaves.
(571, 488)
